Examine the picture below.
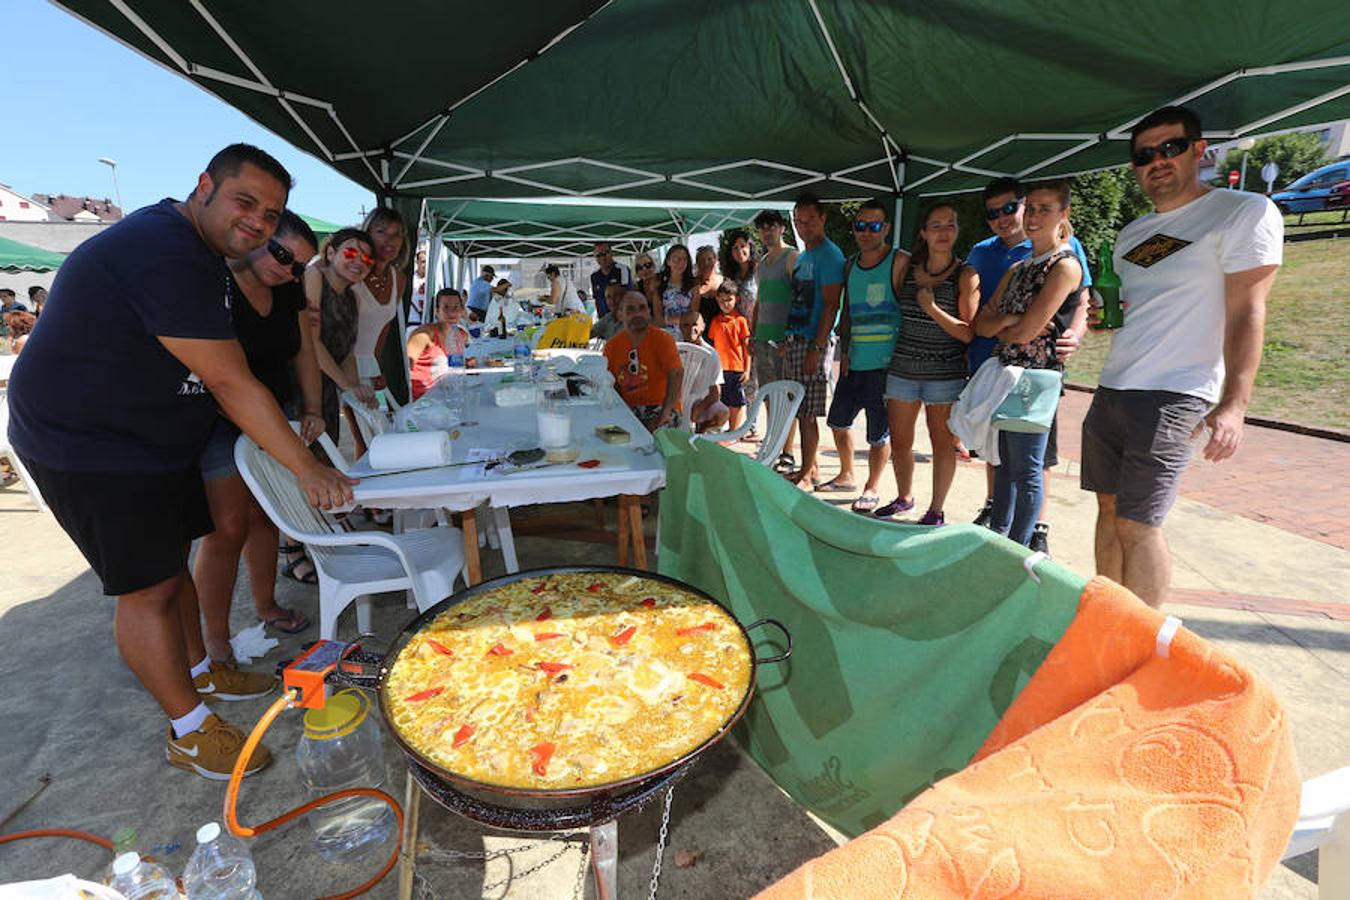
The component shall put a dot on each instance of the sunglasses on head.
(875, 227)
(1006, 209)
(353, 253)
(1167, 150)
(282, 254)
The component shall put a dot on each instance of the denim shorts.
(909, 389)
(861, 391)
(218, 456)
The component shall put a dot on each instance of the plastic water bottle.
(220, 868)
(124, 840)
(341, 749)
(138, 879)
(454, 381)
(522, 355)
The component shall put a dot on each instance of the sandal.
(785, 464)
(866, 503)
(287, 621)
(289, 569)
(835, 486)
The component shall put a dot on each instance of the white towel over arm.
(972, 417)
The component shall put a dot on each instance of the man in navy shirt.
(111, 404)
(610, 272)
(992, 258)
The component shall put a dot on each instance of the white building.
(16, 207)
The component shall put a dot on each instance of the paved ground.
(1260, 571)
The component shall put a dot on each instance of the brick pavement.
(1293, 482)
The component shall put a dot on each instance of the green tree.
(1295, 154)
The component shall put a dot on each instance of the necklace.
(377, 283)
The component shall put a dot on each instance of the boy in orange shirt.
(729, 333)
(646, 365)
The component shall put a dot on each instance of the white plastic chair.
(784, 397)
(700, 373)
(1324, 825)
(369, 422)
(8, 453)
(352, 564)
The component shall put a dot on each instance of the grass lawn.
(1303, 376)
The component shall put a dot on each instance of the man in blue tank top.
(992, 258)
(869, 323)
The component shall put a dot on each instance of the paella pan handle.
(759, 661)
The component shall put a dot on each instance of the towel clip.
(1165, 635)
(1030, 564)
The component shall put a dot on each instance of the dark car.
(1324, 188)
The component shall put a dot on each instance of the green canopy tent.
(322, 227)
(712, 101)
(19, 257)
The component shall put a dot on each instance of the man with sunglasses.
(1196, 273)
(610, 272)
(111, 403)
(991, 258)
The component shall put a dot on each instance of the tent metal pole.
(899, 202)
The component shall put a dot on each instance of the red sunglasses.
(353, 253)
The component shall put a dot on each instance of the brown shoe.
(211, 750)
(225, 683)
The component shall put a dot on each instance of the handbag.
(1030, 406)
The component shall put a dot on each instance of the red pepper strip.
(545, 615)
(704, 679)
(706, 626)
(595, 587)
(529, 714)
(540, 754)
(649, 602)
(499, 650)
(539, 588)
(548, 635)
(465, 732)
(552, 668)
(589, 463)
(440, 648)
(423, 695)
(624, 636)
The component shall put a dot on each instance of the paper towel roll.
(416, 450)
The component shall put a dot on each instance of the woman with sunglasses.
(677, 290)
(346, 260)
(646, 279)
(272, 326)
(1021, 315)
(938, 302)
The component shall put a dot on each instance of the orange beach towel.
(1117, 772)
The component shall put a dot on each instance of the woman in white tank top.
(377, 297)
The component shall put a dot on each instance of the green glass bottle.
(1107, 285)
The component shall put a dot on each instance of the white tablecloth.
(633, 468)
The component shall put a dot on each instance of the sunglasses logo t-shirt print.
(1155, 249)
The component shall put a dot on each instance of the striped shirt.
(924, 352)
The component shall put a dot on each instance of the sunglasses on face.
(282, 254)
(603, 255)
(1006, 209)
(353, 253)
(875, 227)
(644, 266)
(1167, 150)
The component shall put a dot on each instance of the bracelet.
(816, 347)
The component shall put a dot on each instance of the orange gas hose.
(57, 832)
(232, 799)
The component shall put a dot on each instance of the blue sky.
(73, 95)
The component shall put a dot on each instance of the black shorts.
(134, 528)
(733, 388)
(1136, 445)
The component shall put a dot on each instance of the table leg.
(636, 532)
(624, 527)
(469, 523)
(502, 517)
(407, 865)
(605, 859)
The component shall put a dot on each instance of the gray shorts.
(768, 365)
(1136, 445)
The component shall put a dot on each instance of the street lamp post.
(117, 192)
(1245, 145)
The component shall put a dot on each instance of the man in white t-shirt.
(1195, 274)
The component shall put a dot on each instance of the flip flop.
(290, 621)
(866, 503)
(834, 486)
